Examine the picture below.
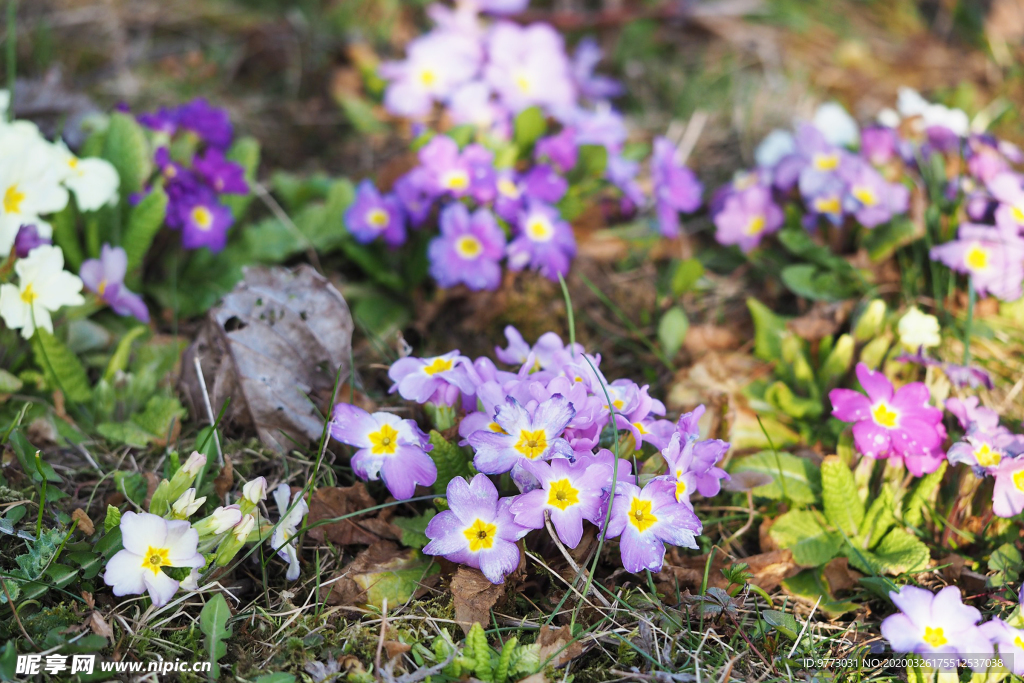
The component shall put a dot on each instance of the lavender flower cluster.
(902, 425)
(491, 207)
(841, 175)
(547, 425)
(196, 184)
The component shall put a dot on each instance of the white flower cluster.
(36, 176)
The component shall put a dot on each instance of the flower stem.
(971, 296)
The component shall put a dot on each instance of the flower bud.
(235, 540)
(187, 504)
(252, 493)
(222, 519)
(186, 475)
(870, 323)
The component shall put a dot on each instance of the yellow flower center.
(377, 218)
(680, 491)
(1018, 480)
(640, 428)
(865, 196)
(987, 457)
(496, 428)
(826, 162)
(1018, 214)
(73, 162)
(523, 83)
(156, 558)
(934, 636)
(976, 258)
(428, 78)
(468, 247)
(202, 217)
(532, 444)
(385, 441)
(827, 205)
(756, 225)
(438, 365)
(480, 535)
(455, 180)
(885, 416)
(13, 199)
(640, 515)
(562, 494)
(28, 295)
(1019, 642)
(539, 229)
(101, 287)
(508, 188)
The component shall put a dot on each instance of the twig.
(694, 127)
(17, 619)
(383, 632)
(739, 629)
(804, 629)
(209, 408)
(568, 558)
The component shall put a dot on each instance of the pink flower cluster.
(548, 423)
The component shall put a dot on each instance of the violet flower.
(645, 520)
(993, 257)
(413, 191)
(871, 199)
(212, 124)
(892, 424)
(436, 64)
(544, 184)
(105, 277)
(528, 67)
(1009, 643)
(390, 448)
(477, 530)
(693, 464)
(1006, 188)
(676, 188)
(560, 150)
(585, 59)
(545, 242)
(569, 493)
(27, 239)
(1008, 493)
(531, 432)
(438, 379)
(205, 222)
(878, 144)
(746, 217)
(373, 215)
(935, 627)
(468, 250)
(224, 176)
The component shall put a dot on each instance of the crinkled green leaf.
(125, 146)
(843, 507)
(451, 461)
(61, 368)
(414, 529)
(769, 331)
(529, 126)
(899, 552)
(923, 491)
(144, 222)
(811, 585)
(802, 533)
(878, 520)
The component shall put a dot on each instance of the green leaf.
(799, 476)
(769, 331)
(836, 364)
(780, 396)
(1005, 562)
(119, 361)
(672, 330)
(125, 147)
(9, 384)
(811, 585)
(843, 507)
(591, 162)
(898, 553)
(61, 368)
(397, 579)
(529, 126)
(65, 236)
(878, 519)
(812, 544)
(782, 622)
(450, 459)
(883, 241)
(479, 652)
(152, 424)
(923, 492)
(686, 275)
(817, 284)
(213, 621)
(144, 222)
(505, 660)
(414, 529)
(112, 520)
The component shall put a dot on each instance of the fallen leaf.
(954, 567)
(329, 502)
(824, 319)
(274, 346)
(839, 576)
(474, 596)
(84, 523)
(99, 625)
(395, 648)
(225, 481)
(715, 374)
(558, 645)
(382, 571)
(703, 338)
(90, 601)
(768, 570)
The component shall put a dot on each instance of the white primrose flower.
(187, 504)
(836, 124)
(255, 490)
(94, 181)
(222, 519)
(281, 541)
(30, 181)
(919, 329)
(151, 543)
(43, 287)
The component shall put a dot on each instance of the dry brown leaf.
(474, 596)
(768, 570)
(381, 570)
(716, 374)
(90, 601)
(839, 576)
(274, 346)
(954, 567)
(396, 648)
(84, 523)
(703, 338)
(329, 502)
(225, 481)
(99, 626)
(823, 320)
(556, 645)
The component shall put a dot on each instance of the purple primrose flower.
(469, 249)
(105, 277)
(645, 520)
(569, 493)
